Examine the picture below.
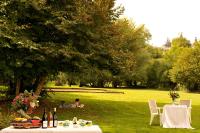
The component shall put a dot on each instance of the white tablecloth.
(89, 129)
(175, 116)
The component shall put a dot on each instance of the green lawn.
(125, 113)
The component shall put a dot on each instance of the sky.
(165, 18)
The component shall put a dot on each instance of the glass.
(74, 120)
(66, 123)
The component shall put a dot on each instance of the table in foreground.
(175, 116)
(59, 129)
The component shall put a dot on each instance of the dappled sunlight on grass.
(125, 113)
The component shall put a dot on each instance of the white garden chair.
(188, 103)
(154, 110)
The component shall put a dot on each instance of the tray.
(25, 125)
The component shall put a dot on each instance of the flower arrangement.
(24, 103)
(174, 95)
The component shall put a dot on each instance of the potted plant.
(24, 103)
(174, 95)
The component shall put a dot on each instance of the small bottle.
(50, 120)
(74, 120)
(55, 118)
(44, 119)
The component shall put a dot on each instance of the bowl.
(35, 122)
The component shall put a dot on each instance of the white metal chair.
(154, 110)
(188, 103)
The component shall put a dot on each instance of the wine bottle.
(50, 119)
(44, 119)
(55, 118)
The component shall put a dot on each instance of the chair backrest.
(153, 106)
(186, 102)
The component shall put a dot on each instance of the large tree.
(186, 70)
(177, 46)
(39, 38)
(123, 59)
(157, 71)
(129, 53)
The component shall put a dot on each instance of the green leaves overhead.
(42, 37)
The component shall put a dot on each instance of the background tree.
(167, 43)
(156, 70)
(129, 54)
(196, 42)
(178, 44)
(186, 70)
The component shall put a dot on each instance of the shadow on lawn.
(123, 116)
(115, 116)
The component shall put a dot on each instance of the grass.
(124, 113)
(3, 90)
(121, 113)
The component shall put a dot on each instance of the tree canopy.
(186, 70)
(86, 42)
(42, 37)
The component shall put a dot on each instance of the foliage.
(5, 119)
(123, 57)
(61, 79)
(178, 45)
(174, 94)
(157, 70)
(155, 52)
(186, 69)
(43, 37)
(156, 73)
(128, 52)
(196, 43)
(167, 44)
(180, 42)
(84, 42)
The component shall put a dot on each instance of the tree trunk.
(115, 84)
(40, 85)
(100, 84)
(82, 84)
(135, 83)
(17, 90)
(11, 88)
(129, 83)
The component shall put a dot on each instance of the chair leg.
(151, 120)
(160, 116)
(190, 116)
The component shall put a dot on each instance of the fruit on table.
(20, 119)
(36, 118)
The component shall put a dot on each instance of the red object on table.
(35, 122)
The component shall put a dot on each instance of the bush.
(5, 119)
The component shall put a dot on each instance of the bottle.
(44, 119)
(74, 121)
(50, 120)
(55, 118)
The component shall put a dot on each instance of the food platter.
(24, 123)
